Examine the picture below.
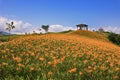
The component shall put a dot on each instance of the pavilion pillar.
(86, 28)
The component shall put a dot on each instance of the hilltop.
(76, 55)
(87, 34)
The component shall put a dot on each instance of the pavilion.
(82, 27)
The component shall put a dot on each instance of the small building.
(82, 27)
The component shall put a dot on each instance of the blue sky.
(95, 13)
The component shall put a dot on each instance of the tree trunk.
(9, 35)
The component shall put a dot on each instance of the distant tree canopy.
(101, 30)
(115, 38)
(45, 27)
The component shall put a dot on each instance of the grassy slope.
(89, 34)
(64, 32)
(60, 56)
(5, 38)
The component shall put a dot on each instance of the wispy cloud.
(108, 28)
(112, 29)
(58, 28)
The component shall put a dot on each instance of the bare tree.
(10, 26)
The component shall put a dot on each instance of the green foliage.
(45, 27)
(4, 38)
(10, 26)
(115, 38)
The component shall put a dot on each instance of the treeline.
(115, 38)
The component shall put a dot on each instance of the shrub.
(4, 38)
(115, 38)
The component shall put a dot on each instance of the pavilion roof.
(81, 25)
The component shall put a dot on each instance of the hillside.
(89, 34)
(60, 57)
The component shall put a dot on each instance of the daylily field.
(59, 57)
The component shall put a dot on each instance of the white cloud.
(112, 29)
(92, 29)
(2, 23)
(58, 28)
(20, 26)
(108, 28)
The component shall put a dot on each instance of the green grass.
(6, 38)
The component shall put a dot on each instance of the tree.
(45, 27)
(101, 30)
(40, 31)
(34, 32)
(115, 38)
(10, 26)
